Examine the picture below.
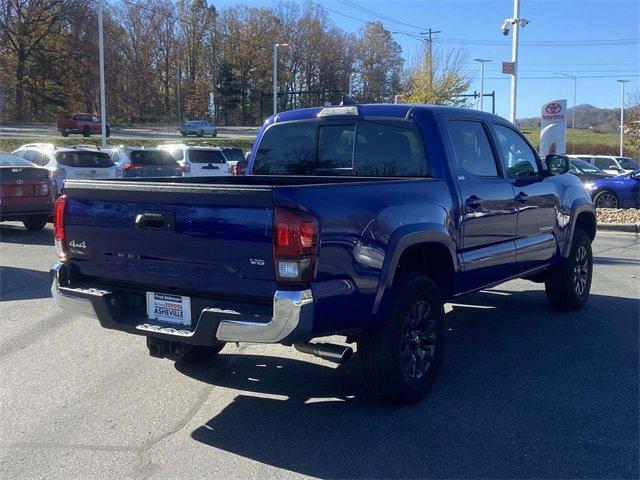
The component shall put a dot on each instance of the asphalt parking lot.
(524, 392)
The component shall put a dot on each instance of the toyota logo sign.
(553, 108)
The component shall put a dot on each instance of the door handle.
(154, 221)
(473, 202)
(522, 197)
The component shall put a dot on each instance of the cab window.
(472, 149)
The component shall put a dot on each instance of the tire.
(65, 134)
(200, 353)
(201, 133)
(108, 131)
(394, 370)
(35, 223)
(569, 282)
(606, 199)
(86, 133)
(215, 133)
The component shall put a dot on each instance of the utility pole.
(622, 82)
(103, 108)
(275, 75)
(178, 89)
(482, 61)
(575, 88)
(430, 32)
(516, 22)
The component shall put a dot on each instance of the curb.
(619, 227)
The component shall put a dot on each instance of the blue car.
(622, 191)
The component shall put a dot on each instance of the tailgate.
(173, 237)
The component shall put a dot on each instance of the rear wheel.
(36, 222)
(606, 199)
(569, 283)
(65, 134)
(403, 353)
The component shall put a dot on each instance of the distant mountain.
(602, 120)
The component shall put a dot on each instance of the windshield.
(389, 148)
(628, 163)
(152, 157)
(84, 159)
(586, 166)
(233, 154)
(8, 160)
(206, 156)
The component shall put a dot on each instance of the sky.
(585, 38)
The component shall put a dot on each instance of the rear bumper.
(19, 212)
(291, 320)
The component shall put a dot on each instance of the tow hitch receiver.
(160, 348)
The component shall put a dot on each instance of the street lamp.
(622, 82)
(575, 87)
(516, 22)
(275, 75)
(103, 108)
(482, 62)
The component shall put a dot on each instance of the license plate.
(166, 308)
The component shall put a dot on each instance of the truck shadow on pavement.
(16, 233)
(23, 284)
(524, 392)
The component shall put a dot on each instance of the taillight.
(295, 241)
(58, 227)
(235, 170)
(132, 166)
(43, 188)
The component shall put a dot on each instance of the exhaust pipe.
(327, 351)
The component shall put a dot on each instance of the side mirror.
(635, 175)
(557, 164)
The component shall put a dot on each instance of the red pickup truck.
(81, 123)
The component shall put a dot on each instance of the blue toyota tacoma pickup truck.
(355, 220)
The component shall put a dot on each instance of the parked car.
(611, 164)
(26, 192)
(199, 128)
(233, 154)
(622, 191)
(84, 124)
(199, 161)
(69, 162)
(239, 168)
(358, 220)
(150, 162)
(586, 171)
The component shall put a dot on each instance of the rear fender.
(402, 239)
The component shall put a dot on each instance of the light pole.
(275, 75)
(103, 108)
(575, 88)
(622, 82)
(516, 22)
(482, 62)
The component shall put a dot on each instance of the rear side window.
(605, 163)
(364, 148)
(152, 157)
(472, 149)
(206, 156)
(84, 159)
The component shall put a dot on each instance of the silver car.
(199, 128)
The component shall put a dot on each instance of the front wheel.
(403, 353)
(35, 223)
(606, 199)
(569, 282)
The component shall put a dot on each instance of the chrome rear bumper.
(291, 321)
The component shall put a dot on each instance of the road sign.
(509, 67)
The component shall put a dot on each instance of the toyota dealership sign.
(553, 128)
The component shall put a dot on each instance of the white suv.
(199, 161)
(611, 164)
(79, 162)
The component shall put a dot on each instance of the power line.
(378, 15)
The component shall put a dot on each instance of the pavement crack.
(66, 446)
